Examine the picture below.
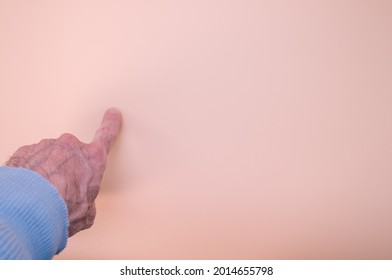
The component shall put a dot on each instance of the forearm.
(33, 216)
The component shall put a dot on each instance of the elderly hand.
(74, 168)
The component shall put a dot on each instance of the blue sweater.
(33, 216)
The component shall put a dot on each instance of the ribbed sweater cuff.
(34, 210)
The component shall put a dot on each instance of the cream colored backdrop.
(252, 129)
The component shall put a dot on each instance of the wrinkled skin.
(74, 168)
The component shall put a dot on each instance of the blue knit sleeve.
(33, 216)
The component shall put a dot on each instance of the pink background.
(252, 129)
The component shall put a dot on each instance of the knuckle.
(91, 217)
(97, 154)
(69, 139)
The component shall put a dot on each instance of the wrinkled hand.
(74, 168)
